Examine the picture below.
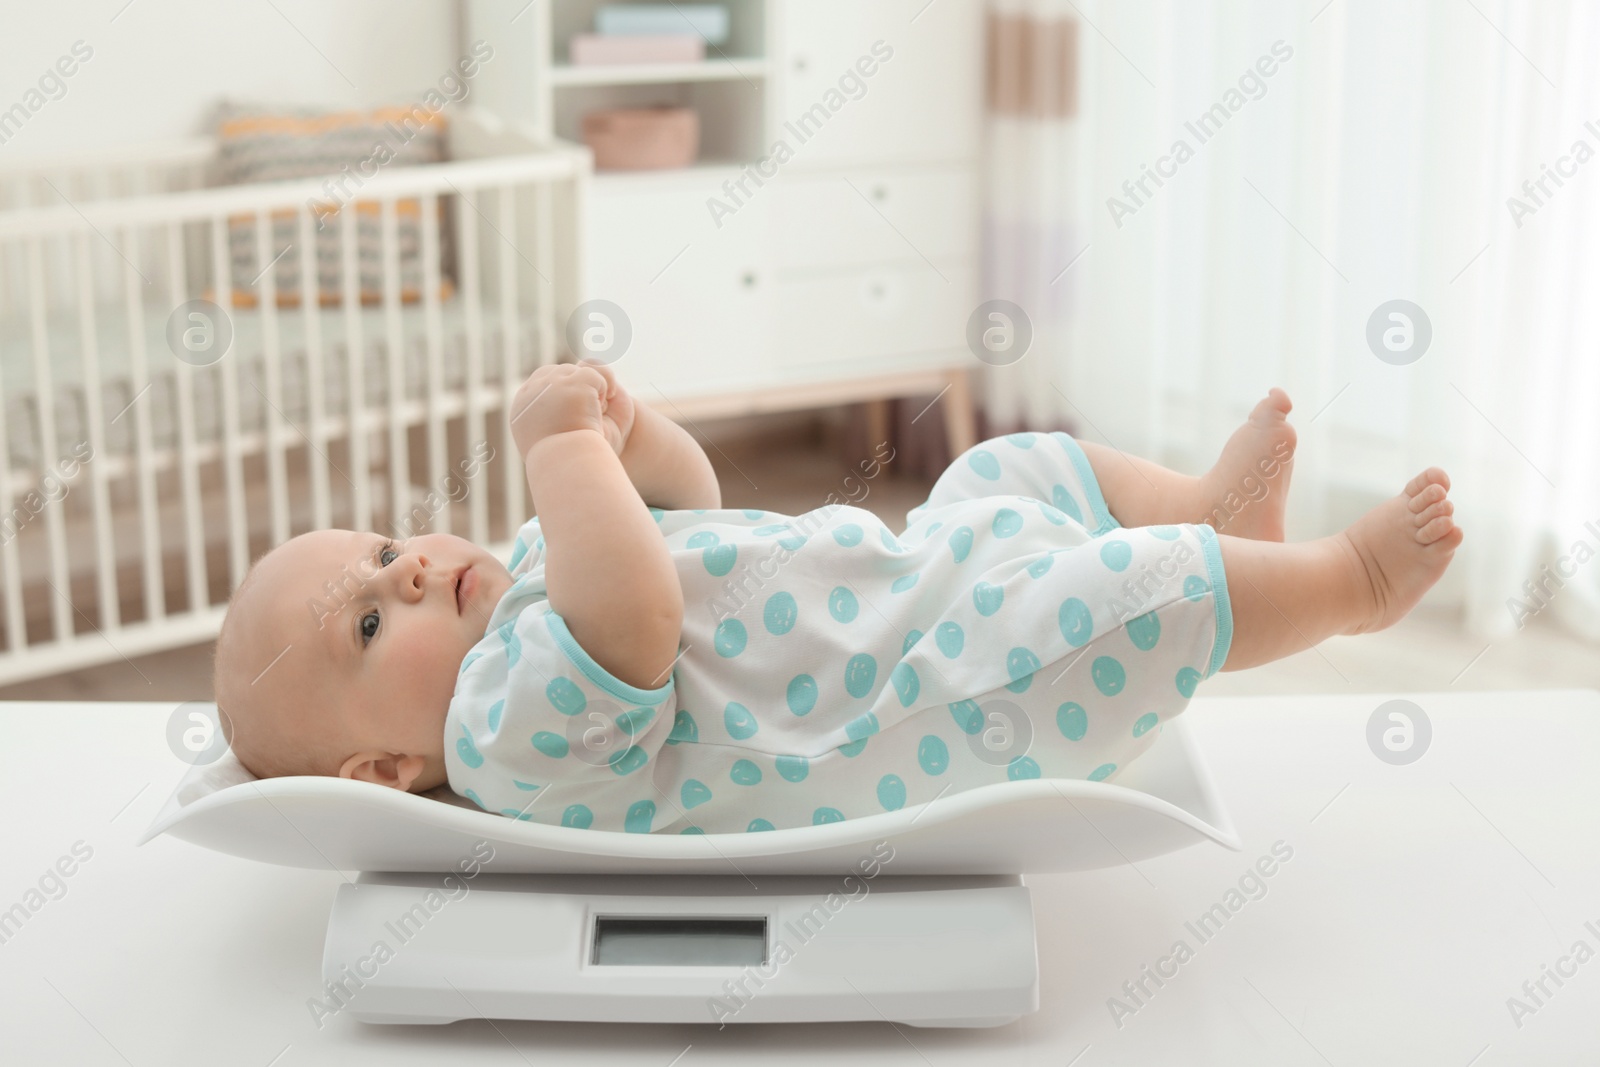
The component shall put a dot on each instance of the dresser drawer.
(878, 311)
(873, 216)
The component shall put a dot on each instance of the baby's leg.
(1244, 494)
(1286, 598)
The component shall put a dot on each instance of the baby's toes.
(1423, 482)
(1428, 496)
(1437, 529)
(1442, 509)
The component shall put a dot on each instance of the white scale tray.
(1164, 801)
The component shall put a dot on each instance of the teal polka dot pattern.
(1144, 631)
(1063, 500)
(1052, 515)
(467, 750)
(513, 642)
(1102, 772)
(1072, 721)
(744, 772)
(626, 761)
(758, 825)
(634, 721)
(904, 582)
(793, 768)
(984, 463)
(1195, 588)
(854, 748)
(552, 745)
(1116, 554)
(1022, 767)
(950, 638)
(752, 513)
(694, 793)
(578, 816)
(640, 815)
(849, 535)
(1144, 723)
(691, 830)
(1166, 533)
(1077, 624)
(826, 815)
(960, 542)
(1108, 674)
(740, 724)
(861, 726)
(1007, 523)
(911, 638)
(730, 638)
(987, 597)
(933, 755)
(780, 613)
(891, 792)
(684, 729)
(1188, 679)
(702, 539)
(968, 716)
(719, 559)
(1020, 665)
(1041, 566)
(859, 674)
(496, 710)
(519, 548)
(890, 541)
(565, 696)
(842, 604)
(802, 694)
(1022, 440)
(906, 684)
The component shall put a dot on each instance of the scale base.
(930, 951)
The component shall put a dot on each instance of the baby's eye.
(387, 555)
(369, 627)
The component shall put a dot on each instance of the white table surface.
(1418, 899)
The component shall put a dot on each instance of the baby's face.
(372, 632)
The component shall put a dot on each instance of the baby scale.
(917, 916)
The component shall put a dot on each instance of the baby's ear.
(383, 768)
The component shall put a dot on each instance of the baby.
(652, 662)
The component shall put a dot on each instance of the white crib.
(136, 487)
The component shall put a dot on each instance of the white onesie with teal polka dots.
(831, 670)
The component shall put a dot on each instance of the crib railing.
(137, 481)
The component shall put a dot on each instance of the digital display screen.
(691, 941)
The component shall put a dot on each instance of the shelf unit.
(850, 265)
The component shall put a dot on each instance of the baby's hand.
(560, 397)
(617, 408)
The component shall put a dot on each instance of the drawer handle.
(880, 193)
(749, 279)
(799, 64)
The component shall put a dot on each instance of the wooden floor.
(791, 463)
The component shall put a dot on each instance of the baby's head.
(340, 650)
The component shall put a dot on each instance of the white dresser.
(825, 247)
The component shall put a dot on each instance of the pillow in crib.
(256, 144)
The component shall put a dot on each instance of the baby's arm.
(666, 465)
(607, 569)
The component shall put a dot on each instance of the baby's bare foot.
(1246, 492)
(1401, 547)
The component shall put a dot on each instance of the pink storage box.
(642, 138)
(594, 49)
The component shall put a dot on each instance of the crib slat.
(355, 370)
(99, 498)
(44, 389)
(472, 303)
(435, 342)
(310, 297)
(544, 257)
(272, 416)
(232, 457)
(399, 459)
(194, 526)
(155, 593)
(510, 379)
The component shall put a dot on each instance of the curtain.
(1194, 201)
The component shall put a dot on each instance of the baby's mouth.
(466, 582)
